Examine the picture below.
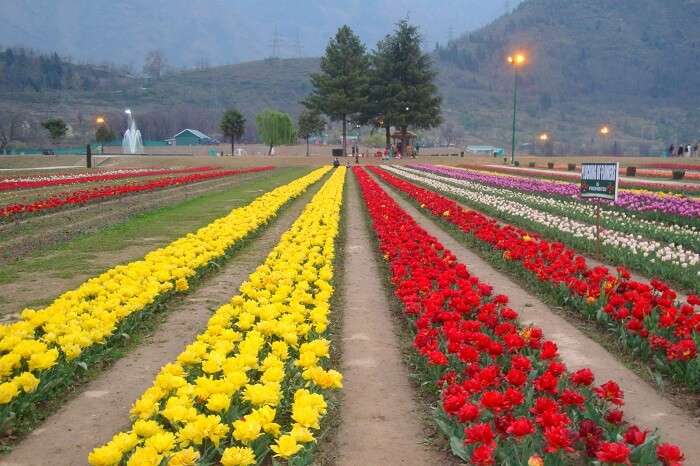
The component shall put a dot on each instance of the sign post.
(599, 181)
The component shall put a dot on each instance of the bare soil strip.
(643, 405)
(102, 407)
(381, 419)
(23, 236)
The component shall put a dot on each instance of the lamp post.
(605, 133)
(101, 121)
(515, 61)
(357, 144)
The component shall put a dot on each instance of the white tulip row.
(78, 176)
(673, 255)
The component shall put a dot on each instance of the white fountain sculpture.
(132, 143)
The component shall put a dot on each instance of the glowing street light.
(516, 61)
(604, 130)
(100, 120)
(544, 137)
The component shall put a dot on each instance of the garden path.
(380, 415)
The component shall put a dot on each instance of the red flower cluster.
(87, 195)
(505, 393)
(78, 179)
(645, 314)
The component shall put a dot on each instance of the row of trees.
(273, 127)
(391, 86)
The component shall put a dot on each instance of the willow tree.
(275, 128)
(340, 88)
(402, 88)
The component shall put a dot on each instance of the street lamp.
(101, 121)
(544, 137)
(516, 60)
(604, 130)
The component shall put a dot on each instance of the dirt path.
(643, 405)
(32, 233)
(381, 420)
(102, 407)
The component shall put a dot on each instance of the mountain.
(200, 32)
(22, 70)
(628, 64)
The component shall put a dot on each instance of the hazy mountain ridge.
(195, 32)
(590, 62)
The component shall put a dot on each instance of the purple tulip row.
(633, 201)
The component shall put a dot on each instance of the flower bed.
(254, 381)
(656, 206)
(573, 176)
(9, 184)
(620, 220)
(651, 172)
(84, 196)
(506, 397)
(673, 166)
(42, 354)
(646, 318)
(661, 259)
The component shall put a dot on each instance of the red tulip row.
(88, 195)
(63, 179)
(645, 316)
(506, 397)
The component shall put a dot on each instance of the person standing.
(671, 150)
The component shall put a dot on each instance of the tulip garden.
(262, 379)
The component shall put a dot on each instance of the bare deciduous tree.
(10, 128)
(154, 64)
(450, 133)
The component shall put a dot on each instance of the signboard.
(600, 180)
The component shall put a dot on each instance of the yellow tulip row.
(254, 380)
(88, 315)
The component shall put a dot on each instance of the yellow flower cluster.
(254, 379)
(89, 314)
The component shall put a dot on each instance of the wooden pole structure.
(597, 230)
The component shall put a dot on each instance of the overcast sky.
(225, 31)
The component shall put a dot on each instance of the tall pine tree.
(379, 93)
(340, 89)
(402, 88)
